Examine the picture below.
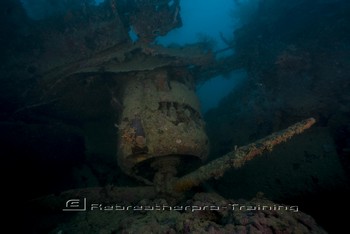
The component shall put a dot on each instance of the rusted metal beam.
(240, 156)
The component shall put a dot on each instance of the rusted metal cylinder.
(161, 118)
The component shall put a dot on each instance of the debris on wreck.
(160, 130)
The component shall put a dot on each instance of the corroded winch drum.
(161, 118)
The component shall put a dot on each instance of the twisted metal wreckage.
(165, 183)
(161, 130)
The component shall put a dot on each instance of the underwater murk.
(169, 116)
